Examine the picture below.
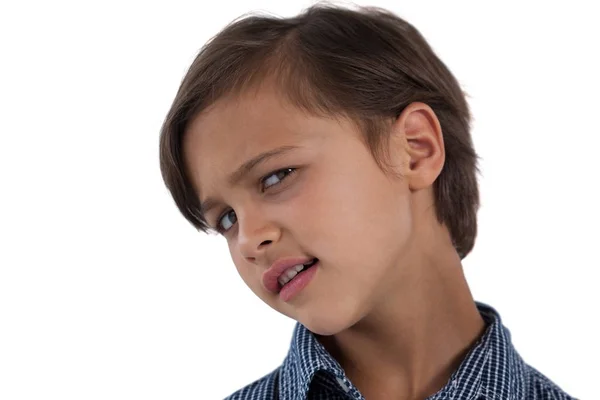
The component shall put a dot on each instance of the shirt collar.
(492, 367)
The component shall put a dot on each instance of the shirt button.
(343, 385)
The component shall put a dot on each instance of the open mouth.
(291, 273)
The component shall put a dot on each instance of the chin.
(324, 328)
(327, 322)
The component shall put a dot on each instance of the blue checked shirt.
(492, 370)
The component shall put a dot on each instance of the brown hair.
(366, 64)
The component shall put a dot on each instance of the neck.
(415, 335)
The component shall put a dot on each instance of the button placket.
(343, 384)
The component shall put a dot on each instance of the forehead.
(236, 129)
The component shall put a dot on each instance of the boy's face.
(337, 205)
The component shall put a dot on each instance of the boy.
(332, 151)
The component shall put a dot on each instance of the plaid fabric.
(492, 370)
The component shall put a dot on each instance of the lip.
(271, 275)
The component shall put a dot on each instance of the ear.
(418, 130)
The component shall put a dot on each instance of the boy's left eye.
(276, 177)
(228, 218)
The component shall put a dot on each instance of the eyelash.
(289, 170)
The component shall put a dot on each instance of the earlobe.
(424, 144)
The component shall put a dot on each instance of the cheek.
(361, 219)
(246, 270)
(251, 275)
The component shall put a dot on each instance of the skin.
(389, 299)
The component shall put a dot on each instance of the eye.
(228, 219)
(274, 178)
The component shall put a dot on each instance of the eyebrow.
(244, 170)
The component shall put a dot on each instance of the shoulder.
(541, 387)
(260, 389)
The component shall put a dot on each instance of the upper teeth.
(290, 273)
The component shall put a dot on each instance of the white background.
(107, 292)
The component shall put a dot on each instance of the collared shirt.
(492, 370)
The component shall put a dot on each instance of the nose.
(256, 235)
